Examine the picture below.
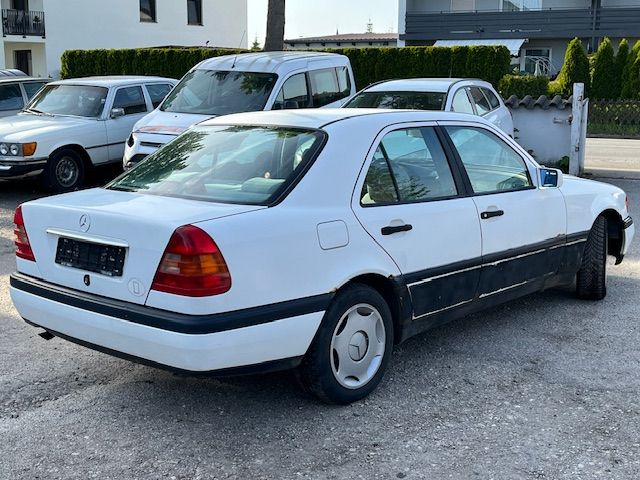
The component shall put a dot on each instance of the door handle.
(390, 230)
(491, 214)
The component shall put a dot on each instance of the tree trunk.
(275, 26)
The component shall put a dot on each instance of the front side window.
(10, 97)
(324, 87)
(131, 100)
(194, 12)
(31, 88)
(461, 103)
(147, 10)
(491, 164)
(157, 92)
(293, 94)
(481, 102)
(74, 100)
(230, 164)
(408, 166)
(398, 100)
(209, 92)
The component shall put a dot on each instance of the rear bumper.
(249, 339)
(21, 168)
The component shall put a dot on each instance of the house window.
(147, 10)
(537, 58)
(22, 5)
(194, 12)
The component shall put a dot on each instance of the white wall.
(87, 24)
(547, 133)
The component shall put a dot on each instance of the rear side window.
(131, 99)
(461, 103)
(344, 81)
(324, 87)
(10, 98)
(493, 100)
(293, 94)
(481, 102)
(31, 88)
(398, 100)
(157, 92)
(408, 166)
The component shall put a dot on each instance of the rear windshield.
(399, 100)
(228, 164)
(209, 92)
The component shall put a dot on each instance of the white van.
(243, 83)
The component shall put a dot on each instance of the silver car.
(472, 96)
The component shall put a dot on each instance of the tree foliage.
(631, 74)
(622, 58)
(603, 80)
(575, 69)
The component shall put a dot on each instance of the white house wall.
(87, 24)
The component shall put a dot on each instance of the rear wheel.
(351, 351)
(64, 171)
(591, 281)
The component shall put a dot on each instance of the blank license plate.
(92, 257)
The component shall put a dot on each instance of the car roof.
(113, 80)
(318, 118)
(268, 62)
(23, 79)
(440, 85)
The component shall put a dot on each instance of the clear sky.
(306, 18)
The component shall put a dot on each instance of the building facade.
(343, 40)
(543, 27)
(35, 33)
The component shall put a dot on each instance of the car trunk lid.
(107, 242)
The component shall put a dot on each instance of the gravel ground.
(544, 388)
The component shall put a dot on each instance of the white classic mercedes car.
(72, 125)
(310, 239)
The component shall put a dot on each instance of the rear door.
(523, 226)
(409, 199)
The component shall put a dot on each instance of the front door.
(132, 102)
(410, 201)
(523, 226)
(22, 59)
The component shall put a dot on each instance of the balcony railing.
(24, 23)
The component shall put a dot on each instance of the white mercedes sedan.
(309, 239)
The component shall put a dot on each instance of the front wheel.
(64, 171)
(591, 281)
(351, 351)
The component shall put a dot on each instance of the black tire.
(591, 280)
(316, 373)
(64, 172)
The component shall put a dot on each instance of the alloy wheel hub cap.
(358, 346)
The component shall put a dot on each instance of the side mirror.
(550, 177)
(117, 112)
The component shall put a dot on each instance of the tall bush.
(603, 80)
(523, 85)
(575, 69)
(622, 58)
(631, 74)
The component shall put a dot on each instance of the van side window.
(344, 81)
(324, 87)
(293, 94)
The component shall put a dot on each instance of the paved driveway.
(544, 388)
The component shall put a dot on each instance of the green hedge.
(522, 85)
(369, 64)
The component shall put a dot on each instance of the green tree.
(575, 69)
(622, 58)
(631, 74)
(255, 46)
(603, 80)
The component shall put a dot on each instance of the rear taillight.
(23, 247)
(192, 265)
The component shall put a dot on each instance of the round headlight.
(14, 149)
(4, 149)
